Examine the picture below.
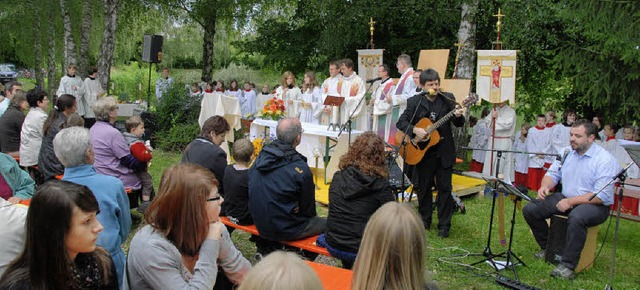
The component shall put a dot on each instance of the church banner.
(496, 76)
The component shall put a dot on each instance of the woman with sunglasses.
(184, 244)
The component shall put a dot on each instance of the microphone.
(564, 157)
(373, 80)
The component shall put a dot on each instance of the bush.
(178, 136)
(131, 82)
(177, 118)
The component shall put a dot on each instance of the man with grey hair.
(73, 148)
(281, 189)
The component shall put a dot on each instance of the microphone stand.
(348, 124)
(404, 144)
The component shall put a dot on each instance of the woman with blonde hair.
(289, 93)
(392, 254)
(282, 271)
(184, 244)
(311, 100)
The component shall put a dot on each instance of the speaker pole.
(149, 88)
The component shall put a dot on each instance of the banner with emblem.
(496, 76)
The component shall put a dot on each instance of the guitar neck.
(442, 120)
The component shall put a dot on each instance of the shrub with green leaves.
(177, 117)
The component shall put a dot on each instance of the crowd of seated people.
(84, 218)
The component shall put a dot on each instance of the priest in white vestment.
(353, 91)
(382, 104)
(503, 119)
(330, 87)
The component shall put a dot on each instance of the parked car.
(7, 72)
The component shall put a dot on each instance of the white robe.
(505, 125)
(233, 94)
(520, 161)
(247, 102)
(294, 94)
(479, 139)
(74, 86)
(405, 89)
(312, 99)
(353, 91)
(92, 89)
(261, 100)
(538, 142)
(162, 85)
(329, 88)
(382, 107)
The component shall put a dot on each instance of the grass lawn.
(447, 264)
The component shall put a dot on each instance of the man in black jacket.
(281, 188)
(438, 160)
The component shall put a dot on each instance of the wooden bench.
(308, 244)
(332, 277)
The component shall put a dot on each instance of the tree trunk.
(37, 45)
(467, 36)
(69, 52)
(52, 81)
(207, 46)
(85, 33)
(466, 64)
(108, 42)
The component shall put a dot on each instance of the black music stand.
(518, 197)
(334, 102)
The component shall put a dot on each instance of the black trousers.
(430, 171)
(580, 218)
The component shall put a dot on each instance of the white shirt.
(31, 136)
(12, 232)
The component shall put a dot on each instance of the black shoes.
(443, 233)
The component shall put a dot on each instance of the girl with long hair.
(48, 163)
(289, 93)
(185, 244)
(311, 101)
(392, 254)
(60, 250)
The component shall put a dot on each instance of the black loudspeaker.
(152, 49)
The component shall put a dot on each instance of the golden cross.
(499, 16)
(371, 29)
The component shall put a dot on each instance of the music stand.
(633, 149)
(334, 102)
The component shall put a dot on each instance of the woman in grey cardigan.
(184, 242)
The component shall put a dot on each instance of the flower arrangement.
(273, 109)
(260, 142)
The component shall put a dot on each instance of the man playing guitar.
(437, 163)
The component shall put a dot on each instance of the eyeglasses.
(214, 198)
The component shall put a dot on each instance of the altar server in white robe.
(330, 87)
(503, 119)
(538, 141)
(93, 91)
(247, 100)
(264, 95)
(382, 104)
(290, 94)
(310, 102)
(72, 84)
(353, 91)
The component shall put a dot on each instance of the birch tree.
(108, 45)
(69, 51)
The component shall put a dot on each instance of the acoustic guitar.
(416, 148)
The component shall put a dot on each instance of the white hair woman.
(73, 148)
(112, 154)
